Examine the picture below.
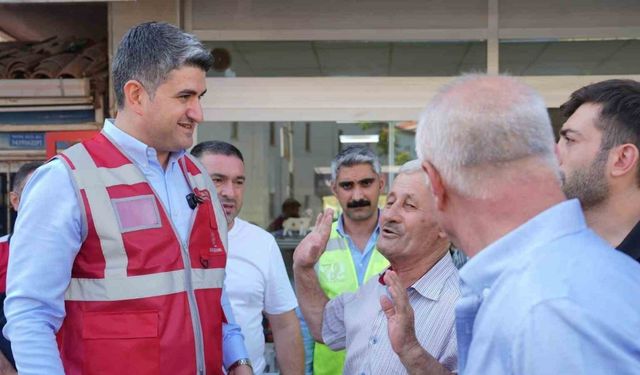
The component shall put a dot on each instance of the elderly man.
(366, 322)
(112, 271)
(600, 159)
(542, 293)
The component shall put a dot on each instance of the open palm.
(312, 246)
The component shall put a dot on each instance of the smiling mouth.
(186, 125)
(389, 232)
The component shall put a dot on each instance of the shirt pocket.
(136, 213)
(121, 343)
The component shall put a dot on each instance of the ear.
(625, 159)
(382, 183)
(333, 188)
(134, 96)
(437, 185)
(14, 199)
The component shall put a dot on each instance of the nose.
(226, 190)
(558, 152)
(389, 213)
(194, 112)
(358, 193)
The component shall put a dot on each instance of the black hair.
(18, 180)
(619, 120)
(149, 51)
(216, 148)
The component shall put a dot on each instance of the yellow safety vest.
(337, 274)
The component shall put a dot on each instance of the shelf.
(12, 155)
(30, 88)
(4, 128)
(45, 101)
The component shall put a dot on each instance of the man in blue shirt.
(542, 293)
(159, 77)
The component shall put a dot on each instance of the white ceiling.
(306, 59)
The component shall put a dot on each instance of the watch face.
(240, 362)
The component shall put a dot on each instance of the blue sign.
(26, 140)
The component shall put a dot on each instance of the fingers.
(396, 290)
(387, 307)
(324, 225)
(318, 218)
(324, 220)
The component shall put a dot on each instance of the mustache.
(359, 203)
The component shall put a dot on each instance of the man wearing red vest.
(120, 247)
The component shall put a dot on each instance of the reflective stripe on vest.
(84, 171)
(336, 243)
(142, 286)
(168, 290)
(336, 270)
(116, 285)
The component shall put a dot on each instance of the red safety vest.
(140, 302)
(4, 262)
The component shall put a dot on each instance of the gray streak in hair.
(354, 155)
(150, 51)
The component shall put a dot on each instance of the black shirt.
(631, 244)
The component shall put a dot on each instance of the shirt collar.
(484, 268)
(430, 285)
(137, 151)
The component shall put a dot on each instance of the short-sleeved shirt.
(355, 321)
(256, 281)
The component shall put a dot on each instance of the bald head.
(481, 121)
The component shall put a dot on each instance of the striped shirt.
(355, 321)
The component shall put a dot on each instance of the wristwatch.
(240, 362)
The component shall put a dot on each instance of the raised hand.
(399, 313)
(402, 331)
(312, 246)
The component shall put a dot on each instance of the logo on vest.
(334, 271)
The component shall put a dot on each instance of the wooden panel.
(21, 88)
(124, 15)
(14, 102)
(8, 155)
(50, 127)
(41, 108)
(62, 1)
